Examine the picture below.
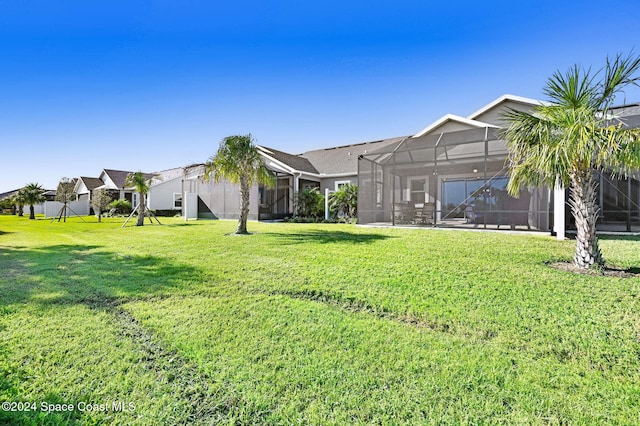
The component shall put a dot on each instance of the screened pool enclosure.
(452, 179)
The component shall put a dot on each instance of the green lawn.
(311, 324)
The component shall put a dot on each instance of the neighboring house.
(456, 167)
(84, 187)
(49, 195)
(114, 182)
(111, 180)
(166, 190)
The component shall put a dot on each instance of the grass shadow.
(609, 237)
(85, 274)
(326, 237)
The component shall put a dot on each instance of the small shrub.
(120, 206)
(310, 204)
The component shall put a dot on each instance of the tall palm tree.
(32, 193)
(239, 161)
(140, 182)
(562, 142)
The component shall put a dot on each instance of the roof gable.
(115, 179)
(492, 112)
(452, 123)
(89, 184)
(294, 163)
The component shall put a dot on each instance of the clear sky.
(151, 85)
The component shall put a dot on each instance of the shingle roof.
(91, 182)
(119, 177)
(344, 159)
(296, 162)
(629, 115)
(8, 193)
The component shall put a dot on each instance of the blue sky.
(151, 85)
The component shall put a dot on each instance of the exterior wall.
(82, 193)
(223, 199)
(494, 115)
(330, 183)
(161, 195)
(450, 126)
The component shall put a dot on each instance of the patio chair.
(404, 212)
(428, 214)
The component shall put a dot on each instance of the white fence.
(74, 208)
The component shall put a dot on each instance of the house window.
(417, 190)
(310, 186)
(177, 200)
(340, 183)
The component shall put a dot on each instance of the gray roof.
(8, 193)
(119, 177)
(629, 115)
(296, 162)
(91, 182)
(344, 159)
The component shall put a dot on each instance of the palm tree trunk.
(585, 210)
(141, 207)
(244, 209)
(32, 212)
(20, 211)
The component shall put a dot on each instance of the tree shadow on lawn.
(605, 237)
(85, 274)
(326, 237)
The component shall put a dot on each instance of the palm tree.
(140, 182)
(562, 142)
(18, 203)
(239, 161)
(32, 193)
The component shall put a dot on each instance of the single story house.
(453, 173)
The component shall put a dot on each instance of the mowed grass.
(312, 324)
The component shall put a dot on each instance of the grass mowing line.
(189, 385)
(358, 306)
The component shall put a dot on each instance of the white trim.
(455, 118)
(288, 169)
(504, 98)
(265, 152)
(336, 175)
(336, 184)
